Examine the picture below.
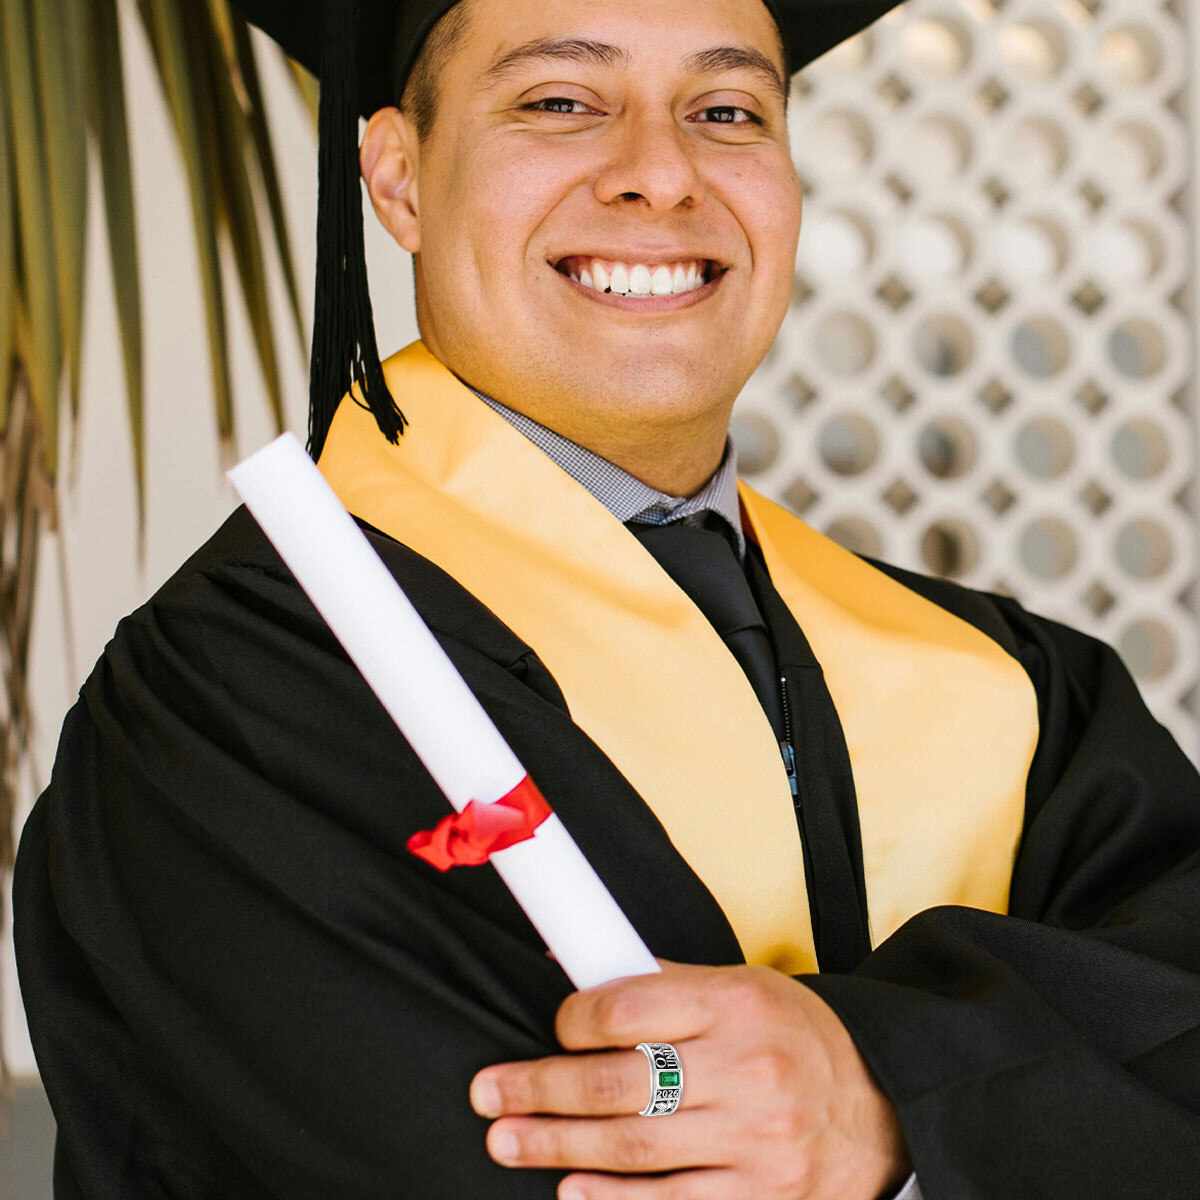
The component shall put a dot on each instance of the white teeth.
(640, 280)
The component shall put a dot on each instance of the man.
(239, 984)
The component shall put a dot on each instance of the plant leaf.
(8, 255)
(58, 41)
(230, 135)
(170, 39)
(260, 131)
(38, 272)
(307, 86)
(109, 125)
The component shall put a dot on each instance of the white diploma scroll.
(437, 712)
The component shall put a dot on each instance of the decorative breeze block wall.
(985, 372)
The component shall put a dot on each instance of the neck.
(670, 463)
(668, 450)
(674, 456)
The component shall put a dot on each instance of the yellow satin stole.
(940, 722)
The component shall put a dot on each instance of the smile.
(638, 279)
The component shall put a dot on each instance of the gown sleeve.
(1054, 1052)
(238, 983)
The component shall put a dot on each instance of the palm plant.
(61, 96)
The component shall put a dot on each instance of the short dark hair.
(419, 100)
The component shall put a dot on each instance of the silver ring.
(666, 1078)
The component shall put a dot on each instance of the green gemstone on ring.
(668, 1079)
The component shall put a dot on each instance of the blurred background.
(987, 371)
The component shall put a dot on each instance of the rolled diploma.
(437, 712)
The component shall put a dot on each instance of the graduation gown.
(240, 984)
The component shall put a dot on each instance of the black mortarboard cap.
(363, 52)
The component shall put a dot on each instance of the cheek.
(768, 204)
(502, 200)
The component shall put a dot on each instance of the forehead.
(643, 32)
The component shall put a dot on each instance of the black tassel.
(344, 350)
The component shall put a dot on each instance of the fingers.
(611, 1083)
(633, 1145)
(707, 1183)
(667, 1007)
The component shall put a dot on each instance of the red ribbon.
(467, 838)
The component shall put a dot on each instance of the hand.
(777, 1102)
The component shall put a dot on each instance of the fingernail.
(485, 1098)
(505, 1147)
(571, 1192)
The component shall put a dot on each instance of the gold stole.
(940, 722)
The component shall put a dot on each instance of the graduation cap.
(363, 52)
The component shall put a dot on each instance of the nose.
(651, 165)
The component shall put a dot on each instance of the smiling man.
(922, 871)
(604, 217)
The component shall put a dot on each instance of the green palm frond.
(61, 97)
(108, 128)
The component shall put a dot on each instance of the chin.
(651, 388)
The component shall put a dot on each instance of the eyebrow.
(581, 50)
(736, 58)
(602, 54)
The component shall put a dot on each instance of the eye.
(560, 105)
(729, 114)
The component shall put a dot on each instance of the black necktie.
(701, 560)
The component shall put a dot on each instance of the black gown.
(240, 985)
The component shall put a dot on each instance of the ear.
(388, 161)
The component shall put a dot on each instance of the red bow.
(467, 838)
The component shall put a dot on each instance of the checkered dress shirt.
(627, 498)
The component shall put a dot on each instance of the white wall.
(187, 494)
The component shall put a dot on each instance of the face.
(606, 212)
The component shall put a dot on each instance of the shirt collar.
(627, 498)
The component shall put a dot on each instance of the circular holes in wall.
(944, 345)
(1130, 151)
(1140, 449)
(1143, 548)
(842, 143)
(1148, 648)
(1035, 50)
(857, 535)
(1040, 347)
(1131, 55)
(936, 148)
(1035, 150)
(935, 246)
(1137, 348)
(851, 56)
(1034, 248)
(1047, 548)
(946, 447)
(1044, 448)
(936, 47)
(1131, 251)
(756, 440)
(835, 243)
(848, 444)
(844, 343)
(949, 547)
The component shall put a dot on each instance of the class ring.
(666, 1078)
